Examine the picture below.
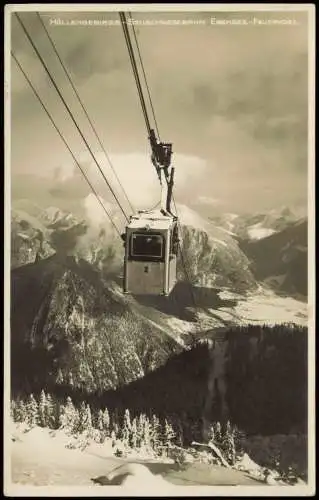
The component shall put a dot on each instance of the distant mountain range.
(260, 225)
(276, 244)
(230, 251)
(281, 259)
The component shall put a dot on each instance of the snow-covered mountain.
(29, 239)
(74, 330)
(211, 256)
(281, 259)
(260, 225)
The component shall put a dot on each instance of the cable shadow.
(180, 303)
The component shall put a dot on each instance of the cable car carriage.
(151, 246)
(151, 237)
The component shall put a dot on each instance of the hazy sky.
(232, 99)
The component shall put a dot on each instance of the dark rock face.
(214, 259)
(28, 240)
(67, 327)
(282, 258)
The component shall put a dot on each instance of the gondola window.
(147, 245)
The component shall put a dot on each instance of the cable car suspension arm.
(161, 152)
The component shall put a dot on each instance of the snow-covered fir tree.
(42, 409)
(140, 430)
(218, 434)
(228, 444)
(126, 428)
(99, 421)
(51, 412)
(20, 411)
(133, 435)
(12, 409)
(168, 434)
(70, 417)
(155, 430)
(88, 421)
(106, 422)
(113, 438)
(115, 428)
(32, 411)
(59, 378)
(179, 434)
(147, 434)
(82, 417)
(211, 435)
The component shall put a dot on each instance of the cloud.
(208, 200)
(231, 97)
(94, 211)
(139, 179)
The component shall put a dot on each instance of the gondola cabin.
(151, 246)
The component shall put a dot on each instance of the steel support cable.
(156, 125)
(70, 112)
(144, 75)
(64, 141)
(83, 107)
(135, 71)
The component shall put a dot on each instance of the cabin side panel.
(145, 277)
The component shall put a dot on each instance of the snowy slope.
(32, 465)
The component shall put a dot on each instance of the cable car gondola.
(150, 254)
(151, 237)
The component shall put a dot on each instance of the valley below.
(228, 345)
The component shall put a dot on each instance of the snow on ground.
(264, 306)
(180, 327)
(257, 232)
(224, 230)
(189, 217)
(39, 458)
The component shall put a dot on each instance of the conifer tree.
(70, 416)
(169, 434)
(106, 422)
(43, 410)
(179, 434)
(32, 411)
(13, 406)
(60, 378)
(82, 417)
(50, 412)
(126, 428)
(155, 437)
(115, 427)
(100, 427)
(127, 419)
(88, 421)
(211, 435)
(113, 438)
(21, 411)
(140, 430)
(133, 436)
(218, 434)
(147, 433)
(228, 444)
(60, 411)
(99, 423)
